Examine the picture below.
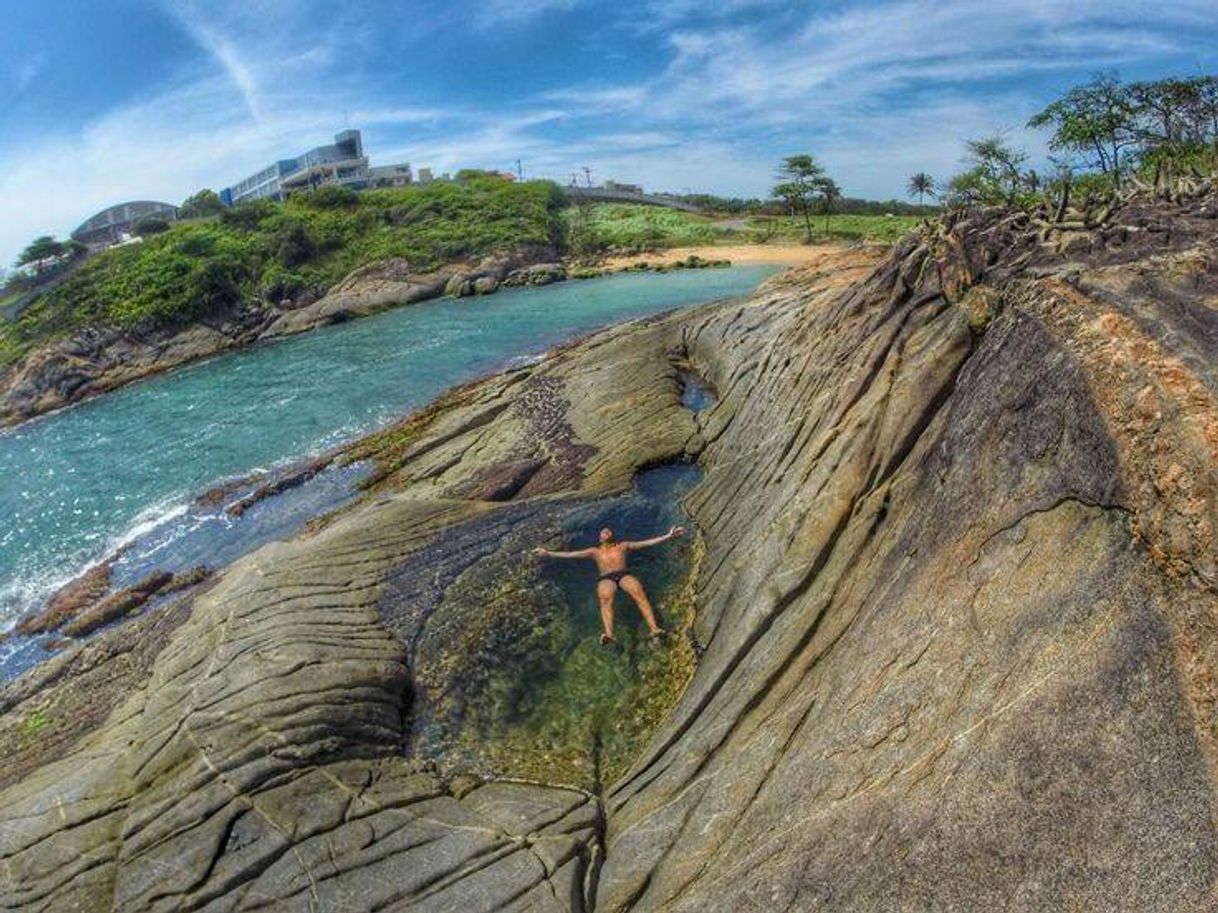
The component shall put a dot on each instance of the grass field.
(841, 228)
(632, 225)
(617, 225)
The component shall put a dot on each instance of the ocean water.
(124, 469)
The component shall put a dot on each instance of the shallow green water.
(76, 484)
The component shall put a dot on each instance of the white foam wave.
(26, 592)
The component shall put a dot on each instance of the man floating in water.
(610, 558)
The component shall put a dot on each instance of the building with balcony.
(342, 163)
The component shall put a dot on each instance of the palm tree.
(920, 185)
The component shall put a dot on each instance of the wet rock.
(119, 604)
(536, 274)
(460, 285)
(69, 601)
(283, 481)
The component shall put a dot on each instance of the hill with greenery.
(271, 251)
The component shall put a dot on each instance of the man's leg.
(604, 592)
(635, 590)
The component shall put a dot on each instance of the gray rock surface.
(956, 611)
(960, 604)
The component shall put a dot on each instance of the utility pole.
(573, 181)
(519, 171)
(588, 175)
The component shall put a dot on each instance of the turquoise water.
(77, 484)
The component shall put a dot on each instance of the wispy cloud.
(498, 12)
(876, 89)
(222, 50)
(28, 69)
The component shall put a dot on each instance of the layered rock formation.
(96, 360)
(955, 616)
(960, 600)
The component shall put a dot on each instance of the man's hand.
(540, 552)
(676, 531)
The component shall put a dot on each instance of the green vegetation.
(1106, 134)
(272, 251)
(802, 182)
(33, 726)
(851, 228)
(735, 206)
(150, 225)
(203, 204)
(599, 226)
(920, 185)
(603, 225)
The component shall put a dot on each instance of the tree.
(202, 204)
(919, 185)
(971, 188)
(1204, 109)
(829, 193)
(1178, 122)
(39, 251)
(295, 245)
(1098, 120)
(1000, 162)
(798, 178)
(150, 225)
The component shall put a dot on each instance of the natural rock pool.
(125, 468)
(509, 674)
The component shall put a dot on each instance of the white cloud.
(497, 12)
(222, 50)
(29, 69)
(876, 91)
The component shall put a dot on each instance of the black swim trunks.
(615, 576)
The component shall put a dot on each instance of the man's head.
(606, 536)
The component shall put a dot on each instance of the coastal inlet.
(120, 474)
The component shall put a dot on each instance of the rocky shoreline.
(955, 604)
(95, 361)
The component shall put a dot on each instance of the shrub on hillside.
(276, 250)
(150, 225)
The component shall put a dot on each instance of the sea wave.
(26, 592)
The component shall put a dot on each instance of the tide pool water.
(77, 484)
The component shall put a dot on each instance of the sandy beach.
(739, 254)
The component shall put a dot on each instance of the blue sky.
(109, 100)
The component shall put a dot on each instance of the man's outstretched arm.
(647, 543)
(546, 553)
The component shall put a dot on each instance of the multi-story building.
(342, 163)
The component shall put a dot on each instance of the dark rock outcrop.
(957, 619)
